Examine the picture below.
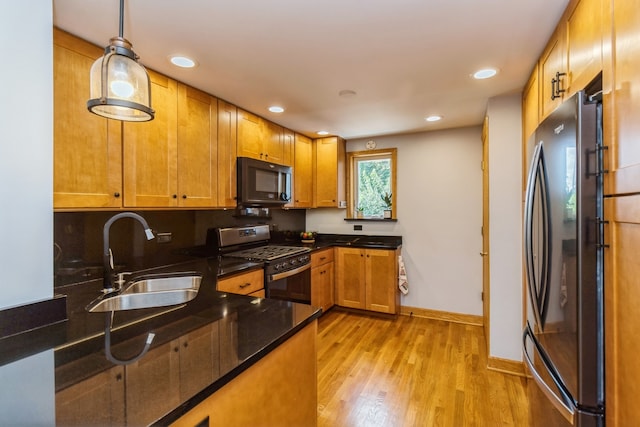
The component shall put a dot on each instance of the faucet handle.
(120, 281)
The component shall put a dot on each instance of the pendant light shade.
(120, 87)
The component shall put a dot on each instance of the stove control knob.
(293, 261)
(277, 267)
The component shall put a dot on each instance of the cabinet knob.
(184, 196)
(176, 349)
(119, 377)
(116, 194)
(185, 345)
(175, 196)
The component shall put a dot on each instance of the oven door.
(293, 285)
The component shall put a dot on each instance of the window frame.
(352, 158)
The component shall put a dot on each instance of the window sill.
(372, 219)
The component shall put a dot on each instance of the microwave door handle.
(560, 404)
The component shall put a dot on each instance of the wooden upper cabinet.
(303, 172)
(197, 148)
(329, 172)
(584, 44)
(150, 150)
(530, 105)
(622, 127)
(227, 154)
(552, 73)
(288, 147)
(261, 139)
(87, 168)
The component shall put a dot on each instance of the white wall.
(505, 213)
(439, 201)
(26, 147)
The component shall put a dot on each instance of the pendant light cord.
(121, 33)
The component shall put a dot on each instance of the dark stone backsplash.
(79, 244)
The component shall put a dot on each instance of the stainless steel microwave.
(262, 183)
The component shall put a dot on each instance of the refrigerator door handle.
(560, 404)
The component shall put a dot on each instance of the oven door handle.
(289, 273)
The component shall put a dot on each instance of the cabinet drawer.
(243, 283)
(321, 257)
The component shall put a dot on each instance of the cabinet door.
(551, 63)
(87, 150)
(622, 317)
(150, 151)
(350, 277)
(381, 273)
(98, 400)
(249, 135)
(530, 106)
(273, 142)
(624, 176)
(197, 148)
(196, 361)
(329, 172)
(322, 284)
(151, 392)
(288, 147)
(584, 44)
(303, 172)
(227, 154)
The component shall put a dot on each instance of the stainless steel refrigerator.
(563, 227)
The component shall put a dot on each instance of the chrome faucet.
(108, 255)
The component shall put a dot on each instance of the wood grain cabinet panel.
(552, 66)
(197, 148)
(87, 151)
(250, 143)
(151, 150)
(227, 154)
(329, 172)
(530, 105)
(303, 172)
(584, 44)
(367, 279)
(322, 279)
(279, 390)
(199, 361)
(622, 317)
(624, 126)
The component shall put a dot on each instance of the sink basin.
(150, 292)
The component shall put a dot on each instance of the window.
(372, 184)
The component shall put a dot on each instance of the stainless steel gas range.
(287, 269)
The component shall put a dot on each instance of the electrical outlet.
(357, 228)
(164, 237)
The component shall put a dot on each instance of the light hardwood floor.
(410, 371)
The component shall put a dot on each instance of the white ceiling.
(406, 59)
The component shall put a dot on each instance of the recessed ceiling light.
(182, 61)
(323, 132)
(485, 73)
(433, 118)
(276, 109)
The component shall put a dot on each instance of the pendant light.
(120, 87)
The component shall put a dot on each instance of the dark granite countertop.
(243, 329)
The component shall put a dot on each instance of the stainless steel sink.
(150, 292)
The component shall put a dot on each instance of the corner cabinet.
(329, 172)
(87, 156)
(322, 279)
(367, 279)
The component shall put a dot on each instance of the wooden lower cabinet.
(251, 283)
(622, 317)
(322, 279)
(367, 279)
(98, 400)
(279, 390)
